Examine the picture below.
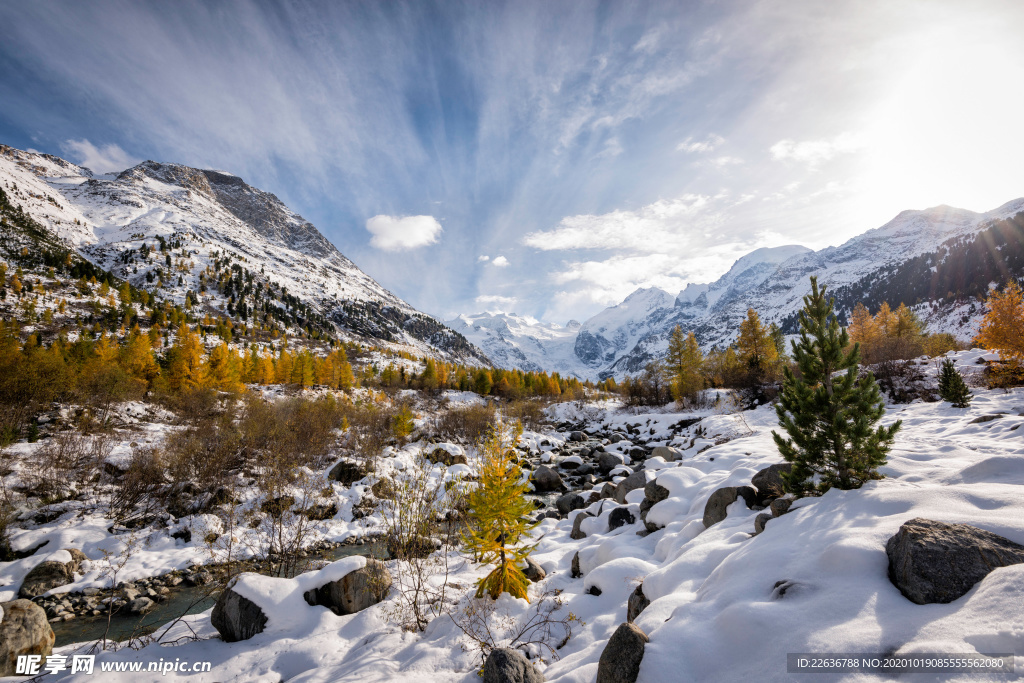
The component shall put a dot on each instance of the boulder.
(621, 657)
(749, 496)
(637, 480)
(620, 516)
(24, 630)
(50, 574)
(645, 507)
(533, 571)
(355, 591)
(608, 490)
(383, 489)
(569, 502)
(440, 456)
(655, 492)
(667, 453)
(546, 479)
(636, 604)
(768, 481)
(780, 506)
(616, 437)
(347, 472)
(237, 618)
(760, 521)
(606, 462)
(577, 436)
(505, 665)
(718, 502)
(140, 606)
(933, 562)
(577, 533)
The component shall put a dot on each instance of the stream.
(181, 601)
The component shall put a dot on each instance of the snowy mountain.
(178, 230)
(938, 260)
(514, 341)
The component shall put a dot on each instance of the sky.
(545, 158)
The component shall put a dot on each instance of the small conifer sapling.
(499, 516)
(829, 417)
(952, 387)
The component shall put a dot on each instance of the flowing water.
(181, 601)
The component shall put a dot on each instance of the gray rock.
(237, 618)
(637, 480)
(621, 657)
(636, 604)
(24, 630)
(668, 453)
(620, 516)
(577, 436)
(780, 506)
(577, 533)
(608, 490)
(749, 496)
(440, 456)
(347, 472)
(533, 571)
(769, 483)
(569, 502)
(546, 479)
(606, 462)
(615, 438)
(569, 464)
(645, 507)
(933, 562)
(655, 492)
(505, 665)
(140, 606)
(760, 521)
(575, 569)
(986, 418)
(46, 576)
(355, 591)
(715, 508)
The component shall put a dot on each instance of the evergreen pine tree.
(952, 387)
(499, 516)
(829, 420)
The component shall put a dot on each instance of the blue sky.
(546, 158)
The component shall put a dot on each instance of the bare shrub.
(540, 633)
(371, 427)
(204, 455)
(466, 424)
(285, 494)
(421, 523)
(528, 412)
(137, 493)
(67, 463)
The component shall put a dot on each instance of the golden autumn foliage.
(499, 516)
(1002, 328)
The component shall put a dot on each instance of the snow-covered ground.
(717, 612)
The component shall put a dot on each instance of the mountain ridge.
(286, 271)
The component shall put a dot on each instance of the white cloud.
(658, 227)
(692, 146)
(496, 299)
(399, 233)
(722, 162)
(814, 152)
(500, 261)
(105, 159)
(482, 258)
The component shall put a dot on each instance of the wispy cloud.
(394, 233)
(105, 159)
(692, 146)
(814, 152)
